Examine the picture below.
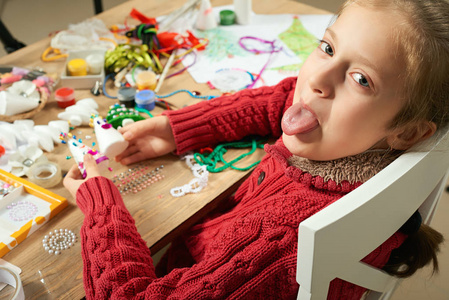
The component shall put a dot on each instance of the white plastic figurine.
(110, 142)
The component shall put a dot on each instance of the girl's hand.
(147, 139)
(74, 178)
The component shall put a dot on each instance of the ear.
(408, 135)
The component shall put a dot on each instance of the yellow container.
(77, 67)
(146, 80)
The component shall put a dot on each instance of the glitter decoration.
(5, 188)
(58, 240)
(137, 179)
(22, 211)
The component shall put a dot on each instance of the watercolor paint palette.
(24, 207)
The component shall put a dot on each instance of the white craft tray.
(48, 205)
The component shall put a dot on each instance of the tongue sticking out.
(298, 120)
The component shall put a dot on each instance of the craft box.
(82, 82)
(44, 203)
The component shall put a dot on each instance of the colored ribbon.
(273, 49)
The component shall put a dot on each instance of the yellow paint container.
(77, 67)
(146, 80)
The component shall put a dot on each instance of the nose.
(322, 81)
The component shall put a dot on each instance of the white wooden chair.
(333, 241)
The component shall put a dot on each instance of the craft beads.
(58, 240)
(22, 211)
(5, 188)
(137, 179)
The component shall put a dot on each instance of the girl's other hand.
(147, 139)
(74, 178)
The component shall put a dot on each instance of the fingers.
(91, 166)
(137, 129)
(71, 180)
(128, 151)
(137, 157)
(74, 173)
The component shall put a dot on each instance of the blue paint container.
(145, 99)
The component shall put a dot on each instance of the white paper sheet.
(298, 35)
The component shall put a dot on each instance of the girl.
(375, 86)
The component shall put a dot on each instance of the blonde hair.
(423, 45)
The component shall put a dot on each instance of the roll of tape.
(8, 276)
(45, 174)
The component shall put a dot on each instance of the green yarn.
(143, 110)
(212, 159)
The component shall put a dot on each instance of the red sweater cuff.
(189, 129)
(98, 192)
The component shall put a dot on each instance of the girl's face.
(348, 90)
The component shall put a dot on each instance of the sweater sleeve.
(117, 263)
(112, 249)
(231, 118)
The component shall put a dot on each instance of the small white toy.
(24, 132)
(79, 149)
(50, 131)
(80, 113)
(206, 18)
(61, 125)
(12, 103)
(7, 137)
(110, 142)
(39, 139)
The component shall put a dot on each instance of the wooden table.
(159, 216)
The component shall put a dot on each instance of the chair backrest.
(333, 241)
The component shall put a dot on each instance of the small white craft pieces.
(21, 161)
(58, 240)
(196, 184)
(78, 150)
(110, 142)
(79, 114)
(24, 131)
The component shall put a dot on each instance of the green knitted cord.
(212, 159)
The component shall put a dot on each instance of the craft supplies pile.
(22, 90)
(130, 63)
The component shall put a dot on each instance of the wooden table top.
(159, 216)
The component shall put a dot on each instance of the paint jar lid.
(227, 17)
(64, 94)
(126, 93)
(146, 80)
(95, 62)
(77, 67)
(144, 97)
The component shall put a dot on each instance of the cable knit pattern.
(245, 250)
(230, 118)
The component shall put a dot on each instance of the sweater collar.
(340, 175)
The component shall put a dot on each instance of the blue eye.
(326, 48)
(360, 79)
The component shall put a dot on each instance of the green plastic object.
(119, 112)
(227, 17)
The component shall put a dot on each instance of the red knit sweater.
(248, 249)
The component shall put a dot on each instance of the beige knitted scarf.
(356, 168)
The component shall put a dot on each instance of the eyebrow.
(364, 60)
